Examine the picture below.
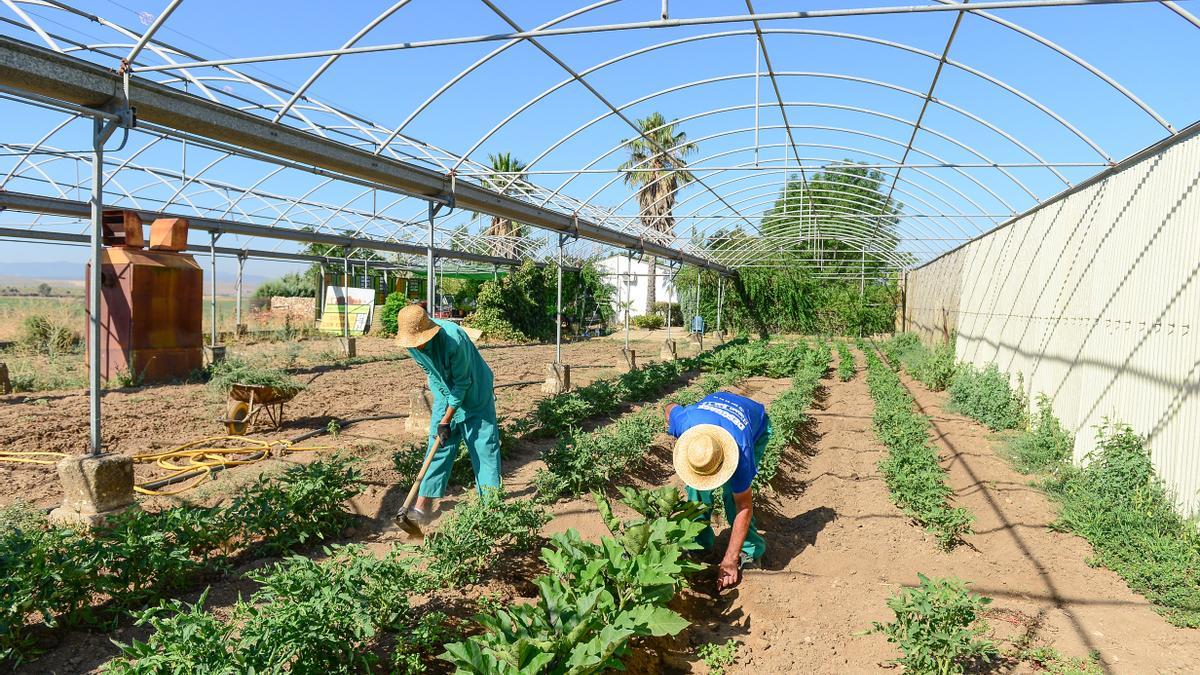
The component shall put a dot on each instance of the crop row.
(789, 411)
(596, 597)
(58, 572)
(915, 479)
(330, 616)
(846, 367)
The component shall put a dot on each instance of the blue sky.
(1145, 47)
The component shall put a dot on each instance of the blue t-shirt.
(743, 418)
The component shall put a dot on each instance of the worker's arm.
(667, 414)
(729, 574)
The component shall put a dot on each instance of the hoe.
(412, 527)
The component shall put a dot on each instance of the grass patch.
(915, 479)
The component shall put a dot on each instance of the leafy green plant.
(938, 627)
(916, 481)
(594, 600)
(391, 307)
(1046, 447)
(718, 657)
(1050, 660)
(236, 371)
(987, 396)
(789, 412)
(846, 368)
(934, 367)
(1119, 504)
(468, 540)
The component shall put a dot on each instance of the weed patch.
(987, 396)
(939, 628)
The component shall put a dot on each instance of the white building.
(631, 279)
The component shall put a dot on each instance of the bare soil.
(837, 547)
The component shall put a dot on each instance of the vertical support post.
(628, 294)
(862, 288)
(430, 284)
(212, 257)
(238, 306)
(720, 299)
(665, 14)
(98, 138)
(346, 296)
(670, 294)
(558, 315)
(697, 291)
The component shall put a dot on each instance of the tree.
(656, 168)
(44, 290)
(508, 177)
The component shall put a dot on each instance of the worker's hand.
(729, 574)
(443, 432)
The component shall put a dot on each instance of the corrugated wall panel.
(1094, 300)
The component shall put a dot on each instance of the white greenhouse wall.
(634, 287)
(1095, 300)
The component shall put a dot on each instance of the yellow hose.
(201, 455)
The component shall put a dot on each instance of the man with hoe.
(720, 440)
(464, 404)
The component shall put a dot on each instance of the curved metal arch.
(923, 172)
(774, 188)
(723, 34)
(870, 111)
(785, 170)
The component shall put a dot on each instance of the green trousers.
(479, 431)
(755, 545)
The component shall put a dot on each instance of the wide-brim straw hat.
(414, 327)
(705, 456)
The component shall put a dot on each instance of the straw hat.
(705, 456)
(414, 327)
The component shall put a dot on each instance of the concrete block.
(558, 378)
(5, 382)
(348, 347)
(669, 351)
(94, 487)
(420, 411)
(628, 360)
(213, 354)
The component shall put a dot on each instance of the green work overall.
(459, 378)
(754, 546)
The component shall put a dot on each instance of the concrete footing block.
(558, 378)
(5, 382)
(669, 350)
(213, 354)
(628, 360)
(420, 411)
(348, 347)
(94, 487)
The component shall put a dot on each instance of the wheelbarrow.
(249, 402)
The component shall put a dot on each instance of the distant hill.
(70, 274)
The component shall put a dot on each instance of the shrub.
(648, 321)
(938, 627)
(1121, 507)
(986, 396)
(661, 308)
(391, 307)
(934, 367)
(1046, 447)
(41, 335)
(290, 285)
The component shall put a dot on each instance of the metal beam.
(42, 72)
(55, 206)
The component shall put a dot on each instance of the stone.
(213, 354)
(628, 360)
(5, 383)
(558, 378)
(669, 350)
(348, 346)
(94, 487)
(420, 411)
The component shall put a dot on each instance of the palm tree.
(508, 178)
(656, 168)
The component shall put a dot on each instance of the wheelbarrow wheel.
(237, 418)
